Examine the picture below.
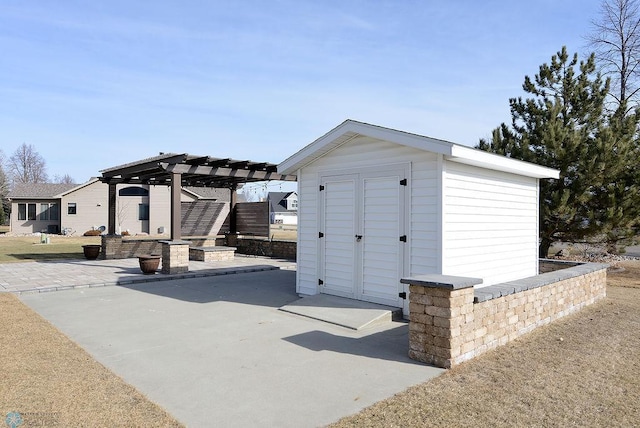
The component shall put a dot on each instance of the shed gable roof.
(350, 129)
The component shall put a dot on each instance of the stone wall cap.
(449, 282)
(503, 289)
(176, 242)
(213, 249)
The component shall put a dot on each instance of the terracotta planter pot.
(149, 264)
(91, 252)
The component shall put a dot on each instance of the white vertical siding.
(489, 224)
(365, 152)
(339, 227)
(381, 247)
(308, 249)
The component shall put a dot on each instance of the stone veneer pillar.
(110, 246)
(175, 256)
(440, 318)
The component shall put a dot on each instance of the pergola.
(178, 170)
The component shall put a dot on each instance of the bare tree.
(4, 190)
(27, 166)
(4, 182)
(65, 179)
(615, 40)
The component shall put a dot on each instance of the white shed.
(377, 205)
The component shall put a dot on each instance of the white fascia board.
(479, 158)
(313, 151)
(350, 129)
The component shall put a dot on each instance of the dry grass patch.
(287, 233)
(583, 370)
(627, 274)
(51, 381)
(28, 248)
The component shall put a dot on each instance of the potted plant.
(92, 251)
(149, 263)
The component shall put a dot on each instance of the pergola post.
(176, 212)
(233, 198)
(112, 209)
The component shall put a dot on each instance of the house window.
(48, 211)
(22, 211)
(293, 204)
(133, 191)
(53, 211)
(31, 211)
(143, 211)
(71, 208)
(44, 211)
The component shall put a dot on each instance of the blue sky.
(93, 84)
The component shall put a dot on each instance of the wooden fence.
(203, 218)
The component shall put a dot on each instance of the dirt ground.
(583, 370)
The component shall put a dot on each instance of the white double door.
(362, 236)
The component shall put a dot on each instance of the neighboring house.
(377, 205)
(35, 207)
(140, 209)
(283, 207)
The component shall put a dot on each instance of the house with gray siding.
(283, 208)
(378, 204)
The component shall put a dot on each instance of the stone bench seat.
(211, 254)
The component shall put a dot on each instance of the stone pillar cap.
(449, 282)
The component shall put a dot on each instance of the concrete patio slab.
(46, 276)
(216, 351)
(349, 313)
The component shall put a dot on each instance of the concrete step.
(349, 313)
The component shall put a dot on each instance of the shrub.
(93, 232)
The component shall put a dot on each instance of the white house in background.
(283, 207)
(377, 205)
(140, 209)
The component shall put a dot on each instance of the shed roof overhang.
(350, 129)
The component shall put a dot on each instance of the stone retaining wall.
(263, 247)
(451, 322)
(117, 247)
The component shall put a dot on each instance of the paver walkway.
(47, 276)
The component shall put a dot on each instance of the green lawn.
(26, 248)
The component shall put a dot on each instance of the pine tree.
(557, 127)
(615, 202)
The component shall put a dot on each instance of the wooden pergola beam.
(178, 170)
(225, 172)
